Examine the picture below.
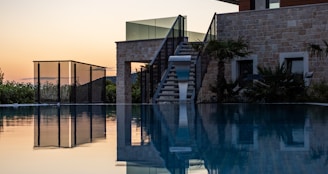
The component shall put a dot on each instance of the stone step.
(192, 68)
(174, 94)
(176, 100)
(175, 84)
(173, 78)
(169, 91)
(175, 89)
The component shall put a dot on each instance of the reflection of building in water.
(297, 138)
(244, 134)
(236, 138)
(254, 137)
(15, 116)
(68, 126)
(169, 140)
(1, 123)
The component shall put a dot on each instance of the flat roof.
(230, 1)
(67, 61)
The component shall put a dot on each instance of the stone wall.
(278, 31)
(137, 51)
(127, 52)
(205, 94)
(272, 33)
(246, 4)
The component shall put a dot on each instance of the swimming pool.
(181, 138)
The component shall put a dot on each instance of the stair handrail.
(202, 60)
(159, 63)
(212, 30)
(165, 75)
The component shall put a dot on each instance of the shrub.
(276, 85)
(110, 92)
(319, 92)
(14, 92)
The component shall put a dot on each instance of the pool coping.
(100, 104)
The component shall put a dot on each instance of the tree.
(110, 92)
(317, 50)
(1, 77)
(136, 89)
(224, 51)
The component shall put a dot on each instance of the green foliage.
(110, 92)
(14, 92)
(276, 86)
(230, 94)
(319, 92)
(225, 51)
(317, 50)
(136, 90)
(1, 77)
(197, 46)
(49, 91)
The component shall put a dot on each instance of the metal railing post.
(58, 84)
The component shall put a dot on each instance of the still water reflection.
(178, 139)
(68, 126)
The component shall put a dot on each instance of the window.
(243, 68)
(295, 66)
(258, 4)
(274, 4)
(297, 63)
(264, 4)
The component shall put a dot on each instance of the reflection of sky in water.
(233, 138)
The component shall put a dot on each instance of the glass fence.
(157, 29)
(68, 126)
(148, 29)
(69, 82)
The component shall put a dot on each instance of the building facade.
(275, 36)
(279, 35)
(277, 31)
(269, 4)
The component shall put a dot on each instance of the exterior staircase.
(168, 92)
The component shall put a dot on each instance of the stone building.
(278, 31)
(275, 36)
(269, 4)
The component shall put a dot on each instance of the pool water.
(168, 138)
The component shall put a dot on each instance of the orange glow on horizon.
(84, 31)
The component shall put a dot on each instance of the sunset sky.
(83, 30)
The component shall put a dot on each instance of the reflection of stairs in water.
(169, 89)
(182, 148)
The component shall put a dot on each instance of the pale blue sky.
(83, 30)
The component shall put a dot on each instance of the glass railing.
(211, 33)
(151, 74)
(69, 82)
(203, 60)
(148, 29)
(195, 36)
